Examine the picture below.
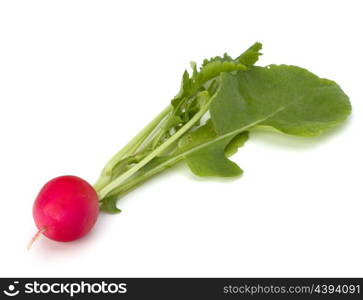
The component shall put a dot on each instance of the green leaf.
(308, 105)
(185, 89)
(108, 204)
(205, 154)
(184, 106)
(207, 133)
(287, 98)
(237, 142)
(197, 137)
(216, 67)
(225, 57)
(205, 151)
(251, 55)
(211, 68)
(211, 160)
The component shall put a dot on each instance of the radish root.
(35, 237)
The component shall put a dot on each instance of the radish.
(204, 124)
(65, 209)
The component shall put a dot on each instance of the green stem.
(114, 184)
(132, 183)
(138, 180)
(132, 146)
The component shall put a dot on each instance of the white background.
(79, 78)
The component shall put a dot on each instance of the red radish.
(65, 209)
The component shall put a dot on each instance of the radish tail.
(35, 237)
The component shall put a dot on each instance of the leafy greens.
(210, 117)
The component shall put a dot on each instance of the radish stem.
(115, 183)
(130, 148)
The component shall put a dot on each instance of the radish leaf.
(209, 120)
(310, 105)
